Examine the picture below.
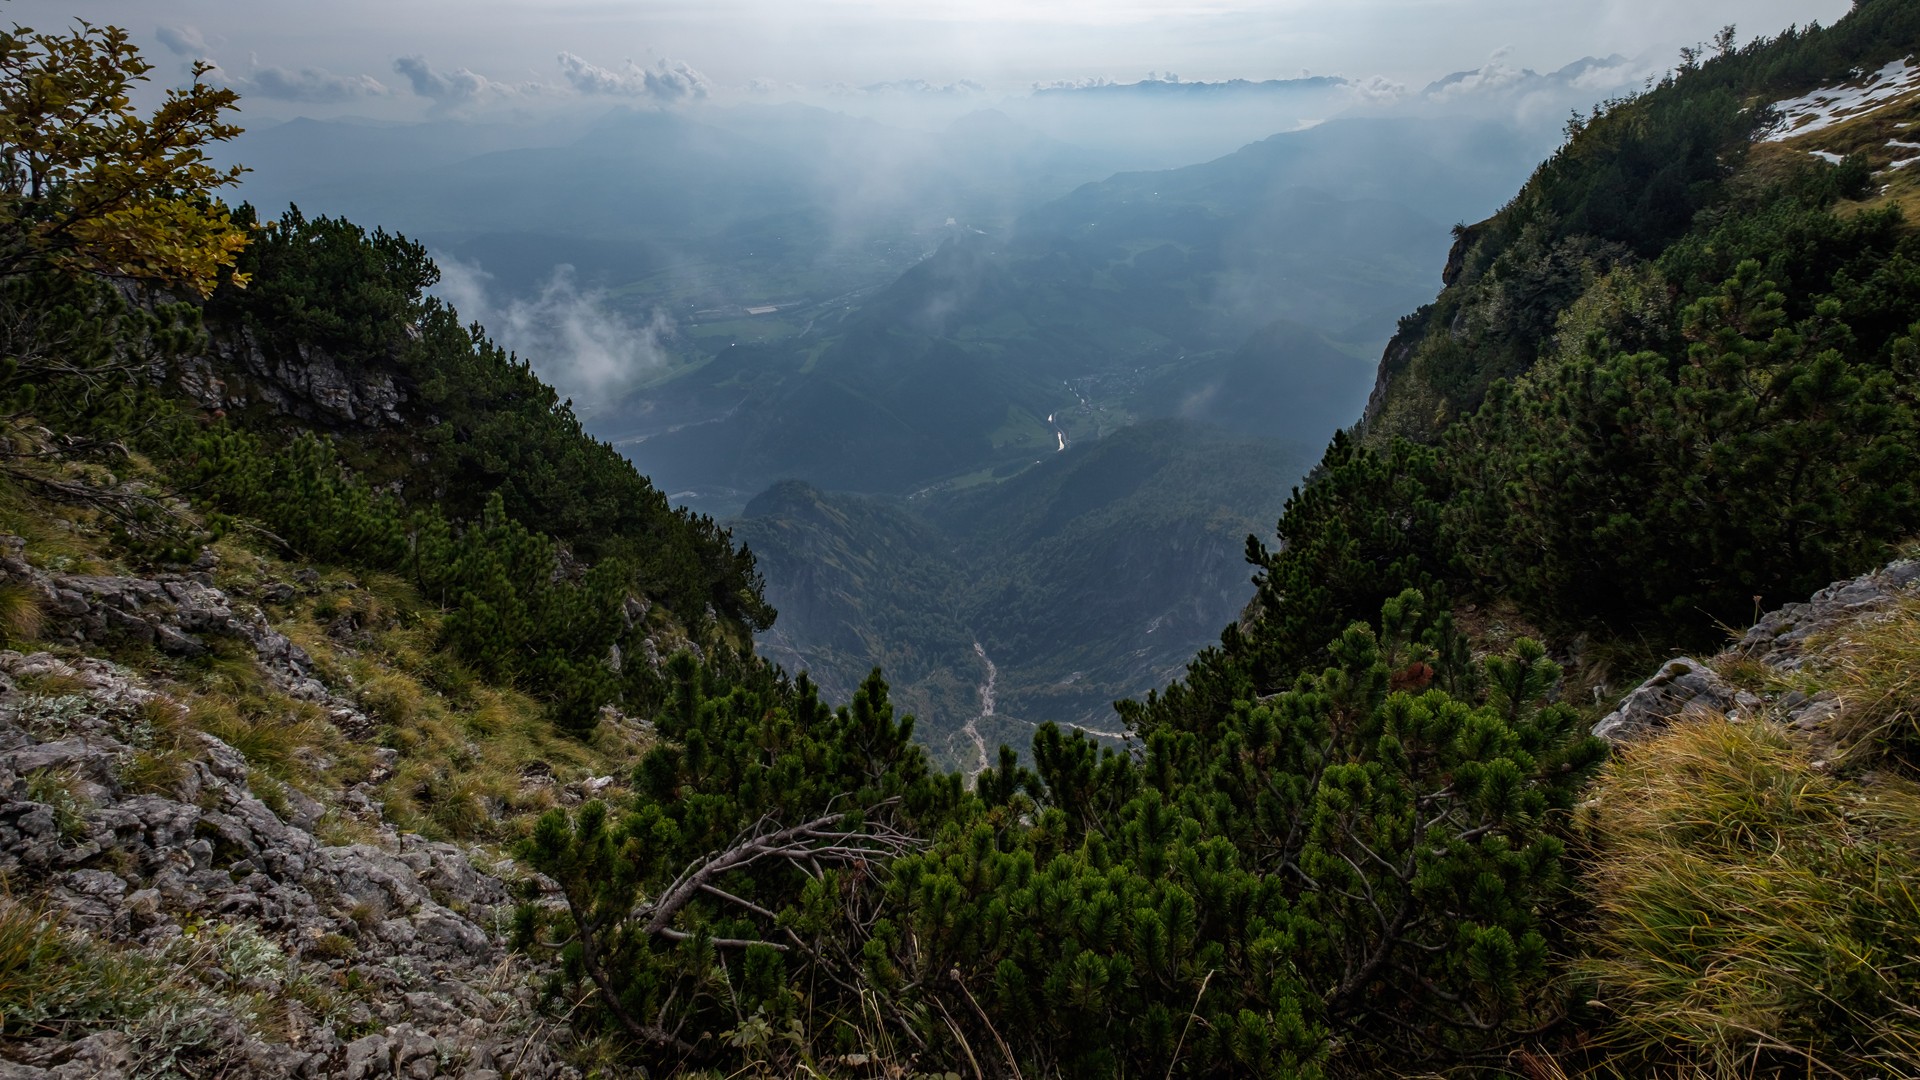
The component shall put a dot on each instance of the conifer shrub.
(1356, 872)
(1343, 875)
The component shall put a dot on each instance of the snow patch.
(1824, 108)
(1827, 156)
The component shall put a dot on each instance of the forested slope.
(1669, 386)
(1673, 382)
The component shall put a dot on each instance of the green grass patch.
(1022, 428)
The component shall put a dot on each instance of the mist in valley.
(994, 377)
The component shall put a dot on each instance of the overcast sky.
(408, 58)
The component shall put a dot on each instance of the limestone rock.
(1683, 688)
(1686, 687)
(1779, 638)
(262, 898)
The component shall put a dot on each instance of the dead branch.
(820, 841)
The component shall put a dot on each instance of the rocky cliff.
(212, 861)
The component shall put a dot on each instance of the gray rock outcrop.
(304, 382)
(382, 949)
(1683, 688)
(1686, 687)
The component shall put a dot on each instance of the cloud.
(576, 342)
(904, 88)
(1378, 90)
(309, 84)
(667, 81)
(183, 41)
(1495, 74)
(1584, 76)
(764, 87)
(452, 89)
(1610, 74)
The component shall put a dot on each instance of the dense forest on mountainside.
(1366, 834)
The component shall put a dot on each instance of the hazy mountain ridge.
(1087, 578)
(1139, 281)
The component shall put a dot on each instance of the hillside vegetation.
(392, 589)
(1026, 569)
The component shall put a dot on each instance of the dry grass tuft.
(277, 734)
(52, 978)
(34, 957)
(21, 613)
(1874, 668)
(159, 764)
(1756, 914)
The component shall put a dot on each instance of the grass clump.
(1873, 666)
(1756, 914)
(278, 735)
(60, 790)
(51, 978)
(158, 764)
(21, 613)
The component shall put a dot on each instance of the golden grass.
(461, 743)
(1756, 914)
(160, 765)
(292, 741)
(45, 528)
(1873, 666)
(33, 964)
(21, 614)
(459, 774)
(51, 977)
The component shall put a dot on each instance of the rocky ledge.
(383, 957)
(1687, 687)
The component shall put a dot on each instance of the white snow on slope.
(1823, 109)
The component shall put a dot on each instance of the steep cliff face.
(301, 382)
(1633, 182)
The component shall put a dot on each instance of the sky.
(409, 59)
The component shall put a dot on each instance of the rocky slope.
(263, 932)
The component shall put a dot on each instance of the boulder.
(1683, 688)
